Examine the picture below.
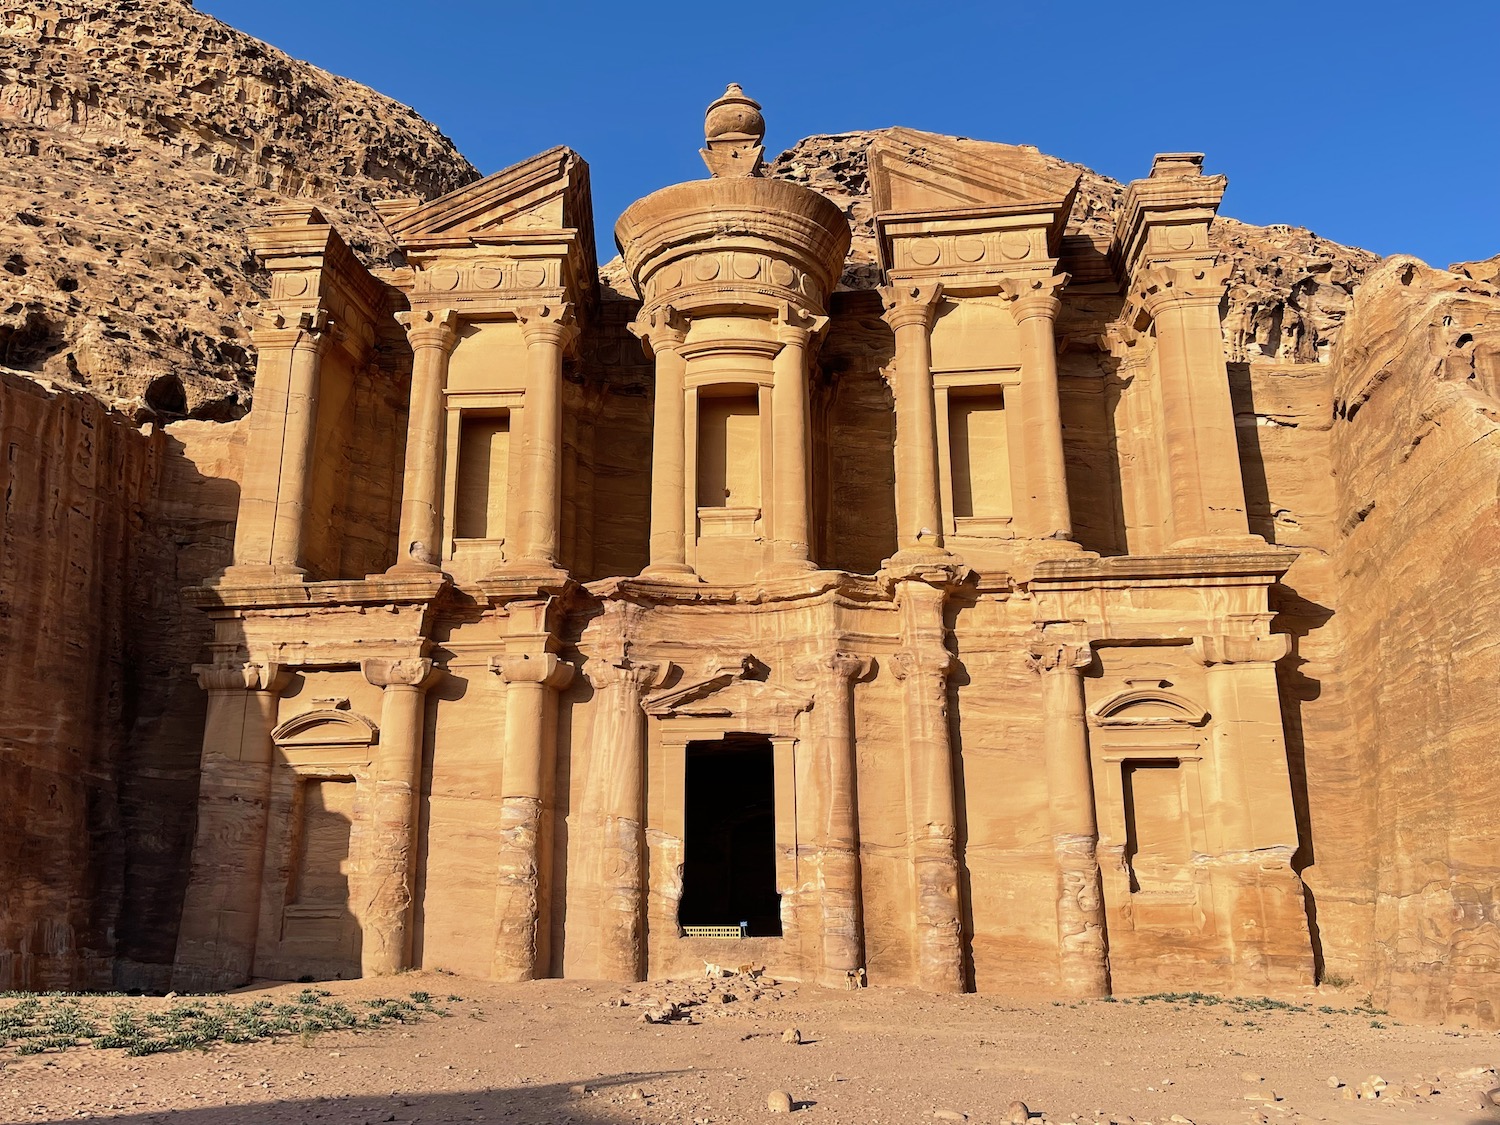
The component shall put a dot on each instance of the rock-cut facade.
(715, 610)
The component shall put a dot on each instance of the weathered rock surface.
(1416, 460)
(139, 141)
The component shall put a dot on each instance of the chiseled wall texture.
(1416, 559)
(100, 731)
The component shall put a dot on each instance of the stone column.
(221, 909)
(923, 667)
(618, 752)
(910, 310)
(432, 334)
(391, 854)
(1205, 488)
(839, 893)
(548, 331)
(790, 550)
(664, 332)
(1034, 304)
(1083, 950)
(532, 682)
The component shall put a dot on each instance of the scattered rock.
(791, 1035)
(949, 1115)
(779, 1101)
(1251, 1076)
(1017, 1113)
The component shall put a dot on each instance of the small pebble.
(949, 1115)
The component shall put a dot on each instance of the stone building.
(597, 626)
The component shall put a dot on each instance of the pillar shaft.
(1205, 487)
(547, 329)
(619, 767)
(391, 859)
(1035, 306)
(297, 452)
(521, 938)
(432, 336)
(789, 426)
(1082, 937)
(839, 894)
(923, 668)
(909, 311)
(664, 332)
(221, 909)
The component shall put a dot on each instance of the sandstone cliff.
(1416, 460)
(139, 141)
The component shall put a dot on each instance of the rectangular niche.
(979, 451)
(483, 475)
(1158, 837)
(729, 452)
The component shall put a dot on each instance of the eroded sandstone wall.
(1416, 459)
(100, 721)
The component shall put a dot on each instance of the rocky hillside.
(139, 140)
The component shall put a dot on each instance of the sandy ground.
(572, 1052)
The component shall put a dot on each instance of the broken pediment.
(327, 726)
(547, 193)
(912, 171)
(1146, 707)
(726, 691)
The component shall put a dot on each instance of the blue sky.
(1374, 124)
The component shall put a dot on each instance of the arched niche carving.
(1147, 709)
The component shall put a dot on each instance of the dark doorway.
(729, 856)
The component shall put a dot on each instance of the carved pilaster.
(663, 331)
(524, 855)
(432, 334)
(617, 801)
(221, 908)
(391, 847)
(549, 331)
(1083, 950)
(910, 310)
(923, 674)
(1034, 303)
(839, 902)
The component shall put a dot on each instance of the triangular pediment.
(549, 192)
(913, 171)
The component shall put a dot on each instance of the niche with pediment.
(724, 714)
(318, 804)
(1148, 745)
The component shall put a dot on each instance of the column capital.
(1045, 655)
(409, 671)
(233, 676)
(907, 664)
(545, 668)
(1161, 285)
(1034, 295)
(834, 665)
(276, 331)
(662, 329)
(430, 328)
(1220, 649)
(907, 303)
(642, 676)
(798, 326)
(553, 323)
